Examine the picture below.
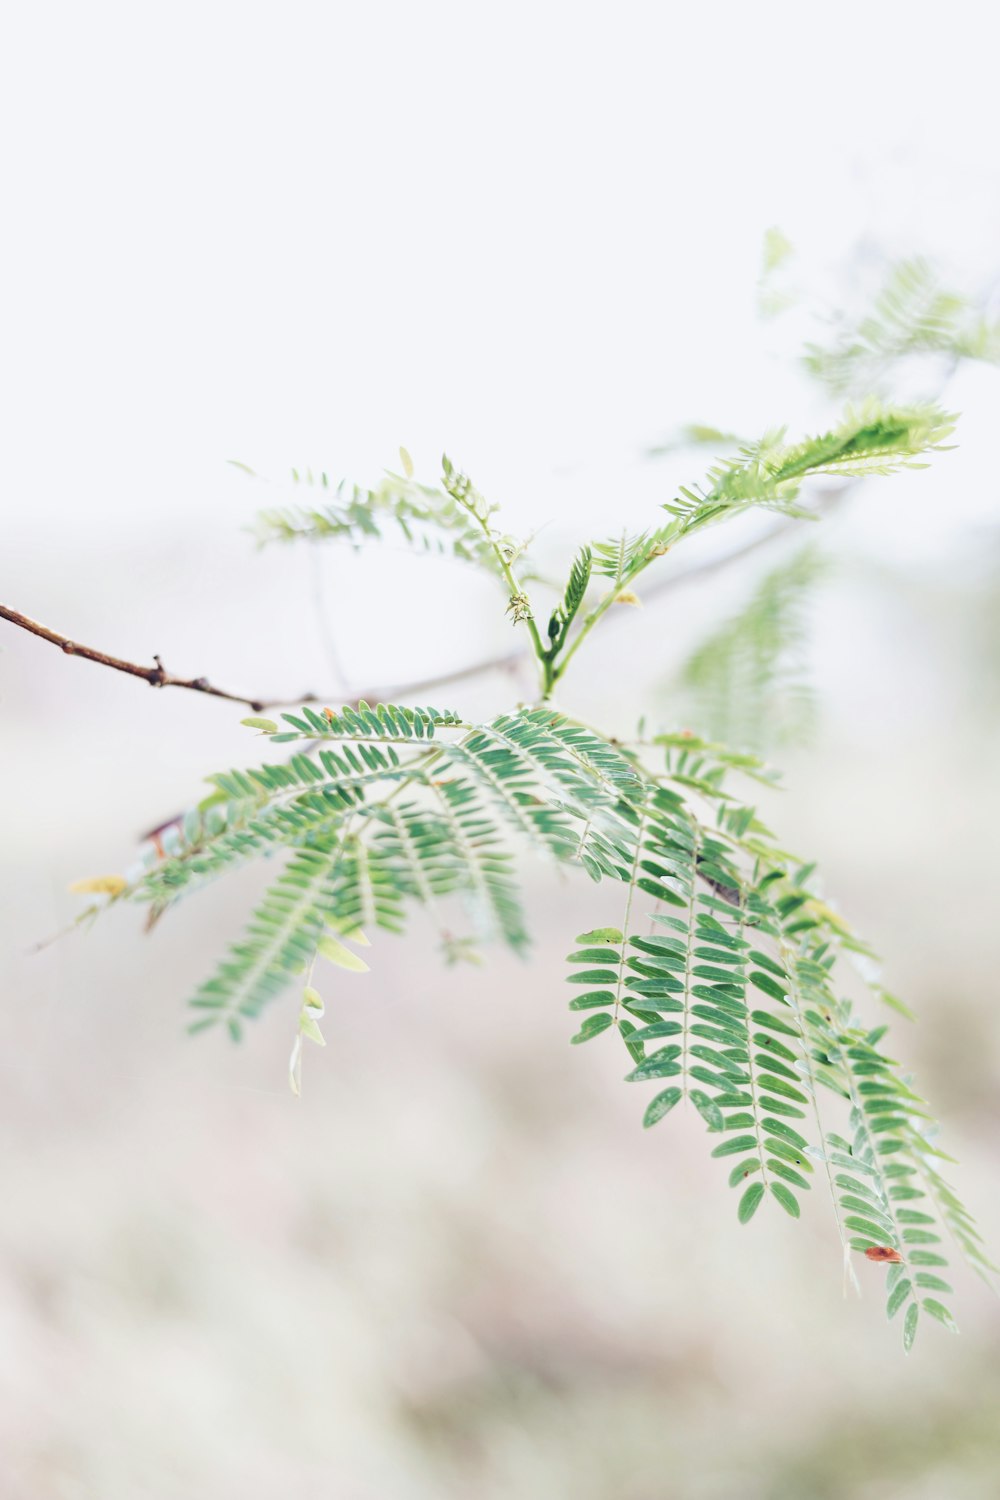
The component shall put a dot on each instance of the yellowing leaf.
(407, 463)
(266, 726)
(100, 885)
(826, 913)
(627, 597)
(336, 953)
(313, 999)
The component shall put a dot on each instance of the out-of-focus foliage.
(747, 683)
(914, 316)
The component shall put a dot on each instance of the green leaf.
(627, 1030)
(910, 1326)
(743, 1170)
(656, 1066)
(939, 1311)
(931, 1283)
(897, 1297)
(773, 1023)
(786, 1198)
(735, 1144)
(768, 985)
(781, 1169)
(750, 1202)
(599, 935)
(776, 1085)
(591, 1000)
(657, 1029)
(708, 1109)
(309, 1028)
(336, 953)
(592, 1026)
(661, 1105)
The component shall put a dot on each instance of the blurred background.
(303, 235)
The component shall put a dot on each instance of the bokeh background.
(304, 235)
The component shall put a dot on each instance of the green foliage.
(625, 557)
(719, 971)
(914, 320)
(871, 439)
(564, 613)
(279, 942)
(913, 314)
(747, 683)
(397, 510)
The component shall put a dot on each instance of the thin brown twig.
(156, 676)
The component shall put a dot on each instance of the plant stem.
(515, 592)
(596, 614)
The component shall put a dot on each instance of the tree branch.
(156, 676)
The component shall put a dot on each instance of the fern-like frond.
(399, 509)
(488, 866)
(565, 612)
(883, 1171)
(622, 558)
(381, 723)
(579, 760)
(730, 1003)
(298, 802)
(366, 891)
(746, 683)
(254, 811)
(418, 846)
(278, 945)
(913, 314)
(510, 781)
(873, 439)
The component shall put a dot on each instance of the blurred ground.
(457, 1266)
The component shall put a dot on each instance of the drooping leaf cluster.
(719, 969)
